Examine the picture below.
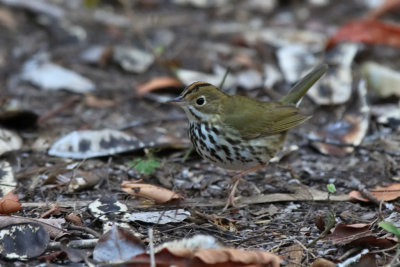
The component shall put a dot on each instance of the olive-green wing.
(254, 118)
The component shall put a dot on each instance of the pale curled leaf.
(158, 194)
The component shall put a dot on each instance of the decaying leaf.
(158, 194)
(106, 207)
(160, 217)
(117, 245)
(201, 250)
(9, 203)
(294, 254)
(23, 241)
(52, 226)
(347, 233)
(358, 235)
(387, 193)
(228, 257)
(95, 143)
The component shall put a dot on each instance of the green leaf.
(146, 166)
(331, 188)
(390, 228)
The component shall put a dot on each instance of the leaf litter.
(208, 38)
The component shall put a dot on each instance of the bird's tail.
(302, 86)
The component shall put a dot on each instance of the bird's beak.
(177, 101)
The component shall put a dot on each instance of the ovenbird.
(237, 132)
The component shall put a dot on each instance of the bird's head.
(200, 101)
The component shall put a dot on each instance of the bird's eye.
(201, 101)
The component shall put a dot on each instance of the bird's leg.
(234, 183)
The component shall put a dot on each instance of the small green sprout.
(331, 188)
(145, 166)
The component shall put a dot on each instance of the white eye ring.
(201, 101)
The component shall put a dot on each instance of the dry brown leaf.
(294, 255)
(73, 218)
(347, 233)
(387, 193)
(230, 255)
(160, 195)
(320, 262)
(9, 203)
(156, 84)
(215, 257)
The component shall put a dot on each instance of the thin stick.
(151, 245)
(224, 78)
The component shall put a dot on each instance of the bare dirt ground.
(193, 38)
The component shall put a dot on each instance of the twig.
(366, 194)
(395, 257)
(313, 195)
(66, 104)
(84, 229)
(329, 226)
(224, 78)
(354, 259)
(151, 245)
(53, 209)
(304, 247)
(80, 244)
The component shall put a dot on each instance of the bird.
(240, 133)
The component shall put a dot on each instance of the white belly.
(230, 153)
